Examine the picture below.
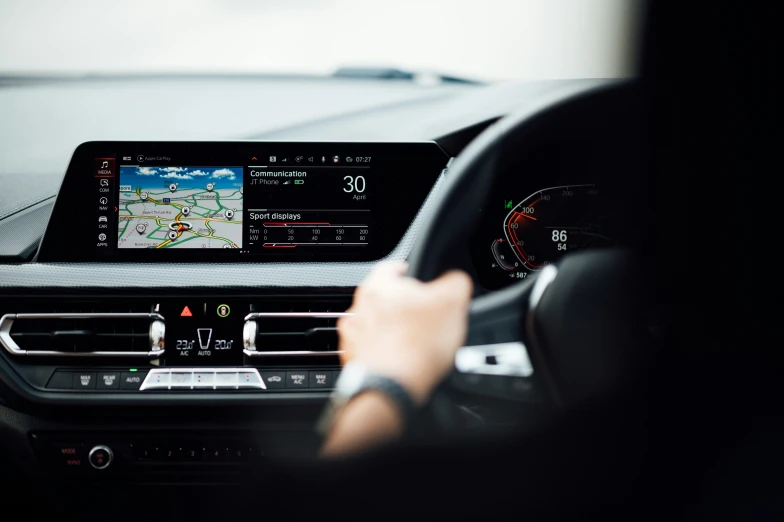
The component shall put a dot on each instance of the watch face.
(351, 379)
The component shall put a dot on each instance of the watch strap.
(355, 381)
(394, 391)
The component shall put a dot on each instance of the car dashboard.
(179, 312)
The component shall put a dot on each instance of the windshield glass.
(486, 40)
(343, 70)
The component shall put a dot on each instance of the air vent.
(85, 334)
(285, 334)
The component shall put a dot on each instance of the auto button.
(131, 380)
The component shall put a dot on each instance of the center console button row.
(92, 380)
(202, 378)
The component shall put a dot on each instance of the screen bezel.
(403, 173)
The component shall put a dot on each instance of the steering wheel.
(572, 331)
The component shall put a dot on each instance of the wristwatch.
(354, 380)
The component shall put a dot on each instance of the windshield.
(486, 40)
(343, 70)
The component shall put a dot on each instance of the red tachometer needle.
(525, 215)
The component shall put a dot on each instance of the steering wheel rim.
(534, 313)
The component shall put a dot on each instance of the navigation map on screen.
(180, 207)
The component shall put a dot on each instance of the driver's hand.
(405, 329)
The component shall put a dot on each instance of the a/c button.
(297, 379)
(132, 380)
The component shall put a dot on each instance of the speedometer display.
(526, 227)
(557, 195)
(552, 222)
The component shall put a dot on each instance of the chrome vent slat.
(81, 334)
(312, 328)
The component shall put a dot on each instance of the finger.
(387, 270)
(347, 326)
(383, 275)
(346, 354)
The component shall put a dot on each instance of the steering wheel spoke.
(495, 360)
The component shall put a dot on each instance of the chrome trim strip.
(157, 334)
(149, 315)
(150, 355)
(157, 337)
(546, 276)
(250, 333)
(5, 335)
(306, 353)
(256, 382)
(511, 360)
(325, 315)
(542, 283)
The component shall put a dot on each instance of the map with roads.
(180, 207)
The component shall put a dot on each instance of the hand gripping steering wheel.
(572, 331)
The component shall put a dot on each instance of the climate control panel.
(198, 379)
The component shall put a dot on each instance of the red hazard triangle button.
(186, 312)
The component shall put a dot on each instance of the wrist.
(352, 433)
(415, 381)
(357, 380)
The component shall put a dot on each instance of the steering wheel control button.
(321, 379)
(108, 381)
(61, 381)
(297, 379)
(274, 380)
(84, 380)
(100, 457)
(132, 380)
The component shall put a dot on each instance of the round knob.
(101, 457)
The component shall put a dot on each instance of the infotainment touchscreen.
(193, 201)
(180, 207)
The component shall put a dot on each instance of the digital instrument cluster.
(530, 222)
